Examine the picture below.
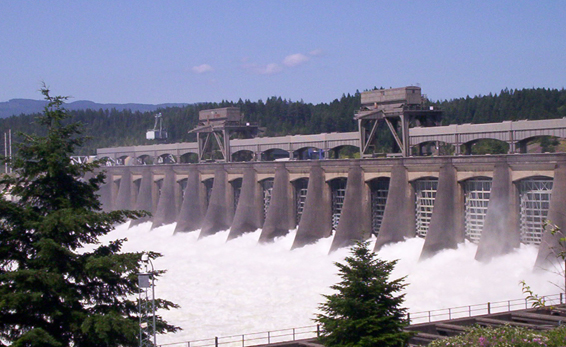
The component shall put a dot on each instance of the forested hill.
(109, 128)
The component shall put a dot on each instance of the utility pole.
(146, 299)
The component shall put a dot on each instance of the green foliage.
(490, 146)
(111, 128)
(534, 299)
(366, 308)
(58, 285)
(504, 336)
(535, 103)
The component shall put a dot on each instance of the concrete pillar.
(166, 211)
(248, 216)
(500, 234)
(280, 218)
(144, 201)
(219, 213)
(316, 221)
(444, 231)
(193, 207)
(105, 196)
(399, 215)
(350, 226)
(550, 245)
(125, 199)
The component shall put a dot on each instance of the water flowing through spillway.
(236, 287)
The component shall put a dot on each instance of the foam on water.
(236, 287)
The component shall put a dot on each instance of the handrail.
(312, 331)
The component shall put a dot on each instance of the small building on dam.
(496, 201)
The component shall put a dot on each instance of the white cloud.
(203, 68)
(269, 69)
(295, 59)
(316, 52)
(289, 61)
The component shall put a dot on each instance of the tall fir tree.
(58, 285)
(366, 308)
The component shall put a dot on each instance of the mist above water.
(237, 287)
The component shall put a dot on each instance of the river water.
(240, 287)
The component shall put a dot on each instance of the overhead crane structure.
(399, 108)
(214, 129)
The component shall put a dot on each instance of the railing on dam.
(312, 331)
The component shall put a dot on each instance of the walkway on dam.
(437, 324)
(515, 133)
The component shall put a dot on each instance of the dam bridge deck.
(515, 133)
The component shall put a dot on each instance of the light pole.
(146, 300)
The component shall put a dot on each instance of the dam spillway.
(497, 201)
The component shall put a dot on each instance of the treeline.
(532, 104)
(110, 128)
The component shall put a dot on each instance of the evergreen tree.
(366, 308)
(58, 285)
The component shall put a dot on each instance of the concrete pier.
(248, 216)
(399, 215)
(351, 225)
(444, 231)
(125, 200)
(144, 201)
(193, 207)
(551, 246)
(280, 218)
(166, 211)
(219, 214)
(500, 234)
(316, 220)
(396, 215)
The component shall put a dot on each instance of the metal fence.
(480, 309)
(312, 331)
(253, 339)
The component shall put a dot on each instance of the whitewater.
(240, 286)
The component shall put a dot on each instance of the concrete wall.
(137, 187)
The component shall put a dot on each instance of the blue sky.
(193, 51)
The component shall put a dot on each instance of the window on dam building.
(237, 189)
(476, 199)
(534, 196)
(208, 186)
(267, 187)
(300, 186)
(425, 194)
(379, 188)
(338, 187)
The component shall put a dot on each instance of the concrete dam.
(497, 201)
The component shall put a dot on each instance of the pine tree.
(366, 308)
(58, 285)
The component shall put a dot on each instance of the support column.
(443, 231)
(218, 215)
(166, 210)
(500, 234)
(105, 196)
(279, 219)
(193, 207)
(124, 200)
(350, 226)
(144, 201)
(399, 215)
(248, 213)
(550, 245)
(316, 221)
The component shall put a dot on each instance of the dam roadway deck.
(497, 201)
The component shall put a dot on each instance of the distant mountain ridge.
(16, 107)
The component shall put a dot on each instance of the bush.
(505, 336)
